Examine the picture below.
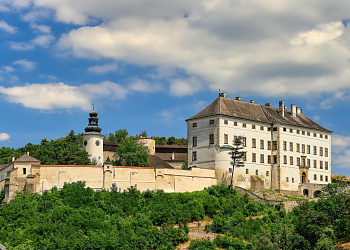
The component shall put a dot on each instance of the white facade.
(93, 144)
(277, 153)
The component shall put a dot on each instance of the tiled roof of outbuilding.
(153, 160)
(26, 158)
(255, 112)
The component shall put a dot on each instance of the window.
(225, 138)
(244, 141)
(269, 159)
(298, 147)
(303, 132)
(290, 130)
(262, 158)
(326, 178)
(315, 177)
(274, 145)
(226, 122)
(285, 145)
(292, 180)
(298, 161)
(194, 140)
(291, 146)
(253, 143)
(275, 129)
(267, 173)
(194, 124)
(287, 179)
(321, 177)
(326, 165)
(244, 156)
(234, 123)
(261, 144)
(308, 149)
(308, 133)
(24, 171)
(275, 159)
(321, 135)
(315, 164)
(253, 126)
(321, 164)
(284, 159)
(304, 164)
(321, 151)
(291, 160)
(315, 150)
(235, 137)
(211, 138)
(284, 129)
(308, 162)
(326, 136)
(261, 128)
(268, 145)
(244, 125)
(253, 157)
(256, 172)
(211, 122)
(246, 171)
(268, 129)
(315, 135)
(326, 152)
(298, 132)
(194, 156)
(303, 148)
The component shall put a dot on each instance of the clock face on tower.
(97, 143)
(85, 143)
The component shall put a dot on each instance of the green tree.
(131, 153)
(236, 155)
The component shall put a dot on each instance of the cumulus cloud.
(103, 68)
(8, 68)
(41, 28)
(35, 15)
(25, 64)
(182, 87)
(21, 46)
(6, 27)
(43, 41)
(59, 95)
(341, 150)
(4, 137)
(144, 86)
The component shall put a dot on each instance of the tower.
(93, 139)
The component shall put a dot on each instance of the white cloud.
(4, 137)
(144, 86)
(321, 34)
(317, 118)
(103, 68)
(182, 87)
(6, 27)
(35, 15)
(43, 41)
(341, 150)
(8, 68)
(21, 46)
(41, 28)
(25, 64)
(51, 77)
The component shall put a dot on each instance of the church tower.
(93, 139)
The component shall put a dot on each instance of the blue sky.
(149, 65)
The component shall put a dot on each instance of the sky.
(149, 65)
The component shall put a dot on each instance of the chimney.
(282, 108)
(298, 110)
(268, 104)
(238, 98)
(222, 94)
(251, 101)
(293, 109)
(28, 153)
(13, 158)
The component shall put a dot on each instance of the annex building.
(284, 149)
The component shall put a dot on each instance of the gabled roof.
(255, 112)
(153, 161)
(26, 158)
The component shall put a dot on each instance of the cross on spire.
(93, 107)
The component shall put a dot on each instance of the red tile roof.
(26, 158)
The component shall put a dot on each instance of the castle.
(284, 151)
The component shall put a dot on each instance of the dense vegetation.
(66, 150)
(80, 218)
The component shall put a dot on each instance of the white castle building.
(285, 150)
